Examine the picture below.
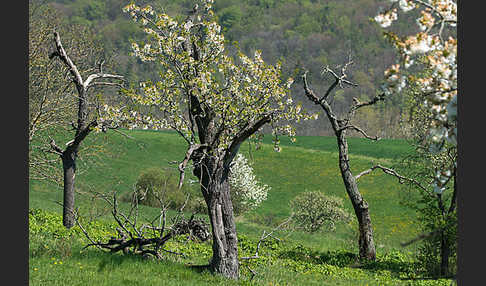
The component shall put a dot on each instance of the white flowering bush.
(246, 192)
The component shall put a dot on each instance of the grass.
(307, 165)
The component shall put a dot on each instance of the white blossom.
(243, 180)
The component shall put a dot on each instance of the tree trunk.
(215, 188)
(69, 167)
(444, 255)
(366, 242)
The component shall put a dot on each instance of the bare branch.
(389, 171)
(308, 92)
(88, 82)
(420, 237)
(265, 236)
(357, 104)
(54, 148)
(376, 138)
(61, 53)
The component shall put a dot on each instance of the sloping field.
(309, 164)
(306, 165)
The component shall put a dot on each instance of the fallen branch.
(131, 239)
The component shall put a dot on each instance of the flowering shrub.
(246, 192)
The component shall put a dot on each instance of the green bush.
(157, 187)
(313, 210)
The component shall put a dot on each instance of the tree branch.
(376, 138)
(264, 237)
(88, 82)
(61, 53)
(54, 148)
(392, 172)
(183, 164)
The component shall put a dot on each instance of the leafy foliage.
(53, 249)
(49, 225)
(158, 188)
(313, 210)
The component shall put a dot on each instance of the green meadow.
(57, 257)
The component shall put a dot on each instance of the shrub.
(313, 210)
(246, 192)
(157, 187)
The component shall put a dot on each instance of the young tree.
(313, 210)
(340, 126)
(88, 119)
(214, 102)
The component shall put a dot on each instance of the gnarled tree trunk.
(213, 175)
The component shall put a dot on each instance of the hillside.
(301, 34)
(307, 166)
(124, 160)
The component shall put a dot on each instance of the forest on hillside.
(301, 34)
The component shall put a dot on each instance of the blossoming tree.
(214, 101)
(428, 63)
(433, 50)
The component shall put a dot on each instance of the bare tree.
(50, 98)
(83, 126)
(340, 126)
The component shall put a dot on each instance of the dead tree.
(340, 125)
(83, 126)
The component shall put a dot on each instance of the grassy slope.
(306, 165)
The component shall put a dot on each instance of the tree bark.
(69, 168)
(213, 176)
(366, 242)
(444, 255)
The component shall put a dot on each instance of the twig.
(264, 237)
